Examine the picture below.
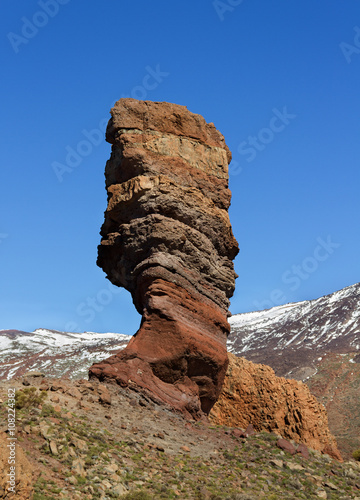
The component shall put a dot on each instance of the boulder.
(252, 393)
(167, 239)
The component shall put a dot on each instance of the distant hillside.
(56, 353)
(291, 338)
(316, 341)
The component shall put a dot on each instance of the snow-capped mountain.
(317, 341)
(291, 338)
(55, 353)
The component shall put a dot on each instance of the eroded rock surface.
(253, 394)
(167, 239)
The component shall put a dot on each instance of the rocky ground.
(94, 441)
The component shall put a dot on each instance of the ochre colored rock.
(253, 394)
(167, 239)
(23, 471)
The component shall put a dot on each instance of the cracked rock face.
(253, 394)
(167, 239)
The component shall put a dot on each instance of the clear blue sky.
(279, 79)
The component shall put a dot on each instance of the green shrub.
(29, 397)
(356, 455)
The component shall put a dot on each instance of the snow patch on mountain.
(57, 353)
(298, 332)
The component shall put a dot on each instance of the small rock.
(293, 467)
(82, 405)
(58, 386)
(44, 429)
(205, 494)
(104, 394)
(119, 490)
(53, 448)
(72, 480)
(55, 398)
(239, 433)
(106, 484)
(74, 392)
(78, 467)
(185, 448)
(321, 494)
(285, 445)
(34, 373)
(277, 463)
(250, 430)
(318, 480)
(111, 468)
(105, 398)
(79, 444)
(350, 473)
(330, 485)
(54, 420)
(303, 450)
(332, 452)
(159, 435)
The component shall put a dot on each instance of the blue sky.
(279, 79)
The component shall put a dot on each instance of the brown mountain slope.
(91, 441)
(337, 385)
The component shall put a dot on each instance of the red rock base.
(178, 356)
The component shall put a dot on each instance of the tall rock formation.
(253, 394)
(167, 239)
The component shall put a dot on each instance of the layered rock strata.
(253, 394)
(167, 239)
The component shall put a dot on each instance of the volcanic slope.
(290, 338)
